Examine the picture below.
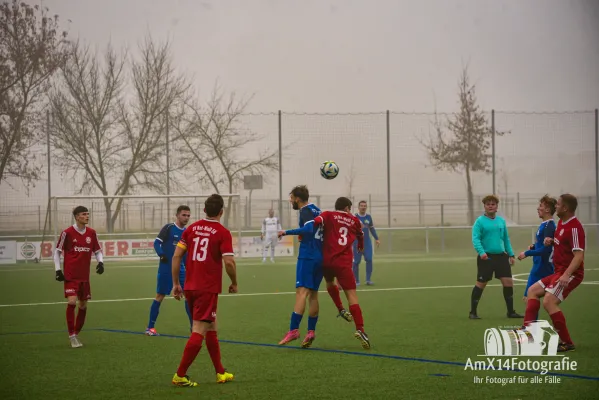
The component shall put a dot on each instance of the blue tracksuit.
(542, 255)
(367, 228)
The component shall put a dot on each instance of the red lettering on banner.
(108, 248)
(122, 248)
(46, 250)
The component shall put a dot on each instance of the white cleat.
(75, 341)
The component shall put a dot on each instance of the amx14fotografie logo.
(526, 349)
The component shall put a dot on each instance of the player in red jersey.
(209, 244)
(568, 260)
(76, 244)
(341, 229)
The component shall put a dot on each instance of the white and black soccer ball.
(329, 170)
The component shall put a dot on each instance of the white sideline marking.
(253, 294)
(253, 264)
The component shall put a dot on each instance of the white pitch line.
(250, 294)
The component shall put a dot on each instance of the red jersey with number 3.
(569, 237)
(77, 248)
(206, 242)
(341, 229)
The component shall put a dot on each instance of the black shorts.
(496, 263)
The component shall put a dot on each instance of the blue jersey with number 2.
(310, 243)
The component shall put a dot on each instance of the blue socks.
(368, 270)
(296, 319)
(312, 323)
(154, 310)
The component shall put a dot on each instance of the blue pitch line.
(355, 353)
(44, 332)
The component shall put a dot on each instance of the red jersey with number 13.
(569, 237)
(77, 248)
(341, 229)
(206, 242)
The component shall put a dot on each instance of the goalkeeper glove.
(100, 268)
(163, 259)
(59, 276)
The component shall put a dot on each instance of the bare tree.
(462, 144)
(113, 139)
(215, 141)
(32, 47)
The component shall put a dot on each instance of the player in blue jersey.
(542, 256)
(308, 275)
(367, 228)
(165, 245)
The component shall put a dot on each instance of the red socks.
(356, 312)
(532, 310)
(214, 351)
(559, 322)
(334, 293)
(192, 348)
(71, 319)
(80, 319)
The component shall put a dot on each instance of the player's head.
(491, 202)
(299, 196)
(81, 215)
(362, 206)
(546, 206)
(566, 205)
(183, 214)
(271, 213)
(214, 206)
(343, 204)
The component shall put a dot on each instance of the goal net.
(128, 225)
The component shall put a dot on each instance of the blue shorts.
(308, 273)
(367, 253)
(165, 281)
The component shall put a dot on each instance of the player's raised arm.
(160, 239)
(308, 227)
(548, 232)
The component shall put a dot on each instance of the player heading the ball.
(207, 244)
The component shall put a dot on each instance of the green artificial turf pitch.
(416, 316)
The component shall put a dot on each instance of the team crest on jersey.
(366, 221)
(88, 240)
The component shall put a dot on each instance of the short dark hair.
(342, 203)
(550, 202)
(183, 208)
(570, 201)
(213, 205)
(301, 192)
(79, 209)
(362, 201)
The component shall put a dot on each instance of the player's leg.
(314, 307)
(265, 245)
(70, 293)
(302, 293)
(368, 259)
(164, 286)
(346, 278)
(273, 244)
(533, 302)
(503, 271)
(333, 290)
(83, 295)
(198, 303)
(484, 274)
(555, 293)
(356, 264)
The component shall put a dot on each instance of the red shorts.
(202, 305)
(551, 285)
(345, 276)
(82, 290)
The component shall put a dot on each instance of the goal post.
(127, 225)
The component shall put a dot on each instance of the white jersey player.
(270, 228)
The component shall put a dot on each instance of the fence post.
(281, 169)
(420, 209)
(442, 228)
(39, 219)
(597, 171)
(426, 238)
(518, 199)
(493, 146)
(388, 170)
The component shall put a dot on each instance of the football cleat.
(290, 336)
(75, 342)
(563, 347)
(225, 377)
(151, 332)
(307, 342)
(473, 316)
(183, 381)
(345, 315)
(514, 314)
(363, 338)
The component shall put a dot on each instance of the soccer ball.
(329, 170)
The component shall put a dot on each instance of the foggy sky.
(363, 56)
